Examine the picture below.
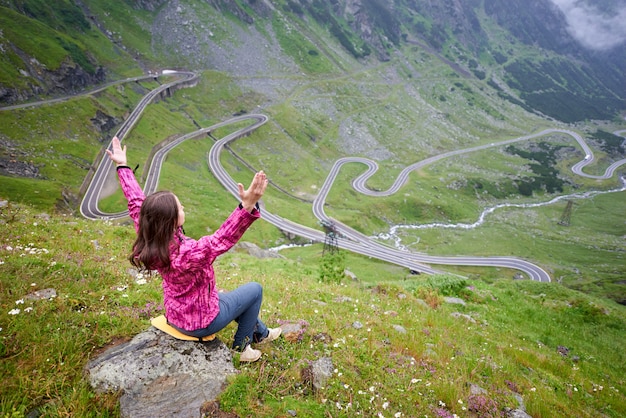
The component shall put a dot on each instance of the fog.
(591, 27)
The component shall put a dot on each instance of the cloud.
(592, 28)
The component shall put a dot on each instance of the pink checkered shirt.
(189, 294)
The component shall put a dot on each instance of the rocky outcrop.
(69, 78)
(104, 123)
(159, 376)
(375, 23)
(16, 168)
(14, 162)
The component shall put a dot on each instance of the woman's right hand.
(117, 154)
(250, 197)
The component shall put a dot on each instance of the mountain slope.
(434, 77)
(525, 45)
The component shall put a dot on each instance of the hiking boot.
(273, 333)
(250, 354)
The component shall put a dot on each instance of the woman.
(192, 302)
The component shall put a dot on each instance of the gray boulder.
(159, 375)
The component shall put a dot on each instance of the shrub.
(447, 284)
(332, 267)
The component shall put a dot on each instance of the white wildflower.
(19, 302)
(14, 311)
(30, 308)
(141, 281)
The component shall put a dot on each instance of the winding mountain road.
(350, 239)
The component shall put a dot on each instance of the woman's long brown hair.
(158, 220)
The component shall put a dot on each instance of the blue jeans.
(241, 305)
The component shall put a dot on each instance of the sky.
(590, 27)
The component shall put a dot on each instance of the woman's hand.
(117, 154)
(250, 197)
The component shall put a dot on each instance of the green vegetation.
(65, 15)
(53, 36)
(322, 13)
(29, 35)
(127, 26)
(332, 266)
(587, 255)
(553, 88)
(302, 50)
(610, 143)
(560, 350)
(543, 166)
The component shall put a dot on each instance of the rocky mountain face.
(552, 61)
(67, 79)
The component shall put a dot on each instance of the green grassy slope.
(505, 340)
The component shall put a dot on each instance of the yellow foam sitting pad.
(160, 322)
